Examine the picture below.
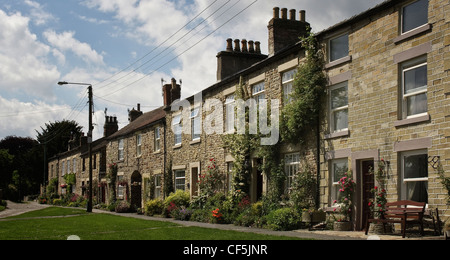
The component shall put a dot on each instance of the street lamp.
(91, 128)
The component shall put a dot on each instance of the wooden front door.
(368, 182)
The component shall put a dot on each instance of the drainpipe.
(318, 160)
(165, 152)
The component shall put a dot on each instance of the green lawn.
(43, 225)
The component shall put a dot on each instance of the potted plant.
(345, 205)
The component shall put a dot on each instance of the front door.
(368, 182)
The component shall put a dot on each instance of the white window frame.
(330, 47)
(178, 130)
(291, 168)
(406, 180)
(157, 145)
(230, 119)
(158, 186)
(195, 123)
(120, 188)
(405, 67)
(258, 91)
(63, 168)
(68, 166)
(287, 81)
(334, 182)
(338, 109)
(121, 154)
(139, 145)
(180, 178)
(402, 19)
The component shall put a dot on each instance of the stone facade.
(376, 109)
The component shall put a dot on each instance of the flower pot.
(378, 228)
(342, 226)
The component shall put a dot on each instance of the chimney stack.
(243, 55)
(135, 114)
(172, 92)
(284, 32)
(111, 126)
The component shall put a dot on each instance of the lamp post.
(91, 128)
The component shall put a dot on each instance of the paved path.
(14, 209)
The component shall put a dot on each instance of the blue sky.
(124, 48)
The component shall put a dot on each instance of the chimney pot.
(251, 46)
(302, 16)
(237, 48)
(230, 44)
(139, 107)
(258, 47)
(284, 13)
(292, 14)
(244, 45)
(276, 13)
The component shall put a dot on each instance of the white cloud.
(24, 63)
(38, 14)
(66, 42)
(23, 118)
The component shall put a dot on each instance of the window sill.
(411, 121)
(338, 62)
(177, 146)
(415, 32)
(338, 134)
(196, 141)
(157, 152)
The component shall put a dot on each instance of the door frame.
(357, 159)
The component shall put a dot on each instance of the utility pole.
(91, 128)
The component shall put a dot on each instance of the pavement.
(14, 209)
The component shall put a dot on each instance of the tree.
(24, 175)
(56, 136)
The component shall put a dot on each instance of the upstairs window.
(414, 15)
(196, 124)
(288, 83)
(120, 150)
(339, 107)
(177, 129)
(157, 139)
(338, 48)
(138, 145)
(258, 91)
(230, 120)
(414, 88)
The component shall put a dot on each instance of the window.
(157, 139)
(157, 186)
(74, 165)
(52, 171)
(68, 167)
(338, 168)
(288, 83)
(414, 88)
(177, 129)
(196, 127)
(94, 161)
(258, 92)
(121, 149)
(138, 145)
(180, 179)
(292, 166)
(339, 107)
(338, 48)
(120, 188)
(414, 15)
(230, 105)
(83, 167)
(415, 176)
(63, 169)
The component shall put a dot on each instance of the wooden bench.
(403, 212)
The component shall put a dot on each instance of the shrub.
(182, 213)
(154, 207)
(123, 207)
(58, 202)
(283, 219)
(179, 198)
